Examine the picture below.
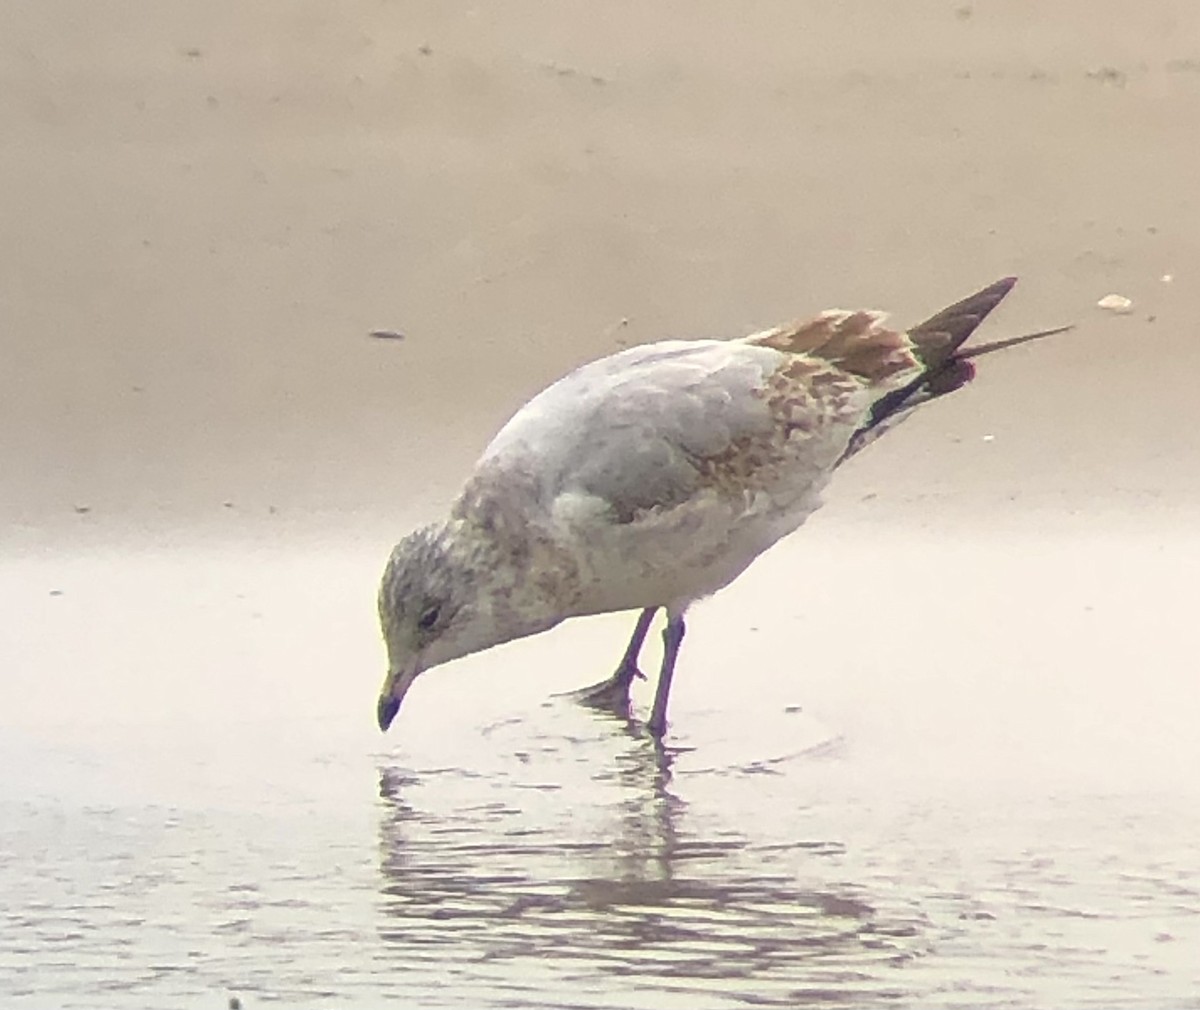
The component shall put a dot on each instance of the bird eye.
(428, 619)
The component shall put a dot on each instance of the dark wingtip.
(943, 333)
(997, 289)
(937, 340)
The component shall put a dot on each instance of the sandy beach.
(208, 208)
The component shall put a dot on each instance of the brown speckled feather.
(856, 343)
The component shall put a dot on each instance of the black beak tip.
(386, 711)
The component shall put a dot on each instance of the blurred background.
(938, 747)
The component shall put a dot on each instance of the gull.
(652, 478)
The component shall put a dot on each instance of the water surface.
(996, 814)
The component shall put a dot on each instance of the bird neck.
(521, 579)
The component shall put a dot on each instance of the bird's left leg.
(672, 640)
(612, 694)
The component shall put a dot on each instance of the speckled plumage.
(654, 477)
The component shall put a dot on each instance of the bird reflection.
(603, 875)
(646, 840)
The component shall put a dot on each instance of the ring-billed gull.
(654, 477)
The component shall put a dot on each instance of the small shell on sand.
(1115, 303)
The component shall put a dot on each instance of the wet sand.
(978, 790)
(1003, 813)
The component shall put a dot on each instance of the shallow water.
(856, 806)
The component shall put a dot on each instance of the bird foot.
(611, 694)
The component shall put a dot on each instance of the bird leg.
(612, 694)
(672, 639)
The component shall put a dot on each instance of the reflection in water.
(1016, 833)
(618, 894)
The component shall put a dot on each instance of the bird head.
(428, 612)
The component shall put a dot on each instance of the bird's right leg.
(672, 640)
(612, 694)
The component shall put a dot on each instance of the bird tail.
(936, 342)
(938, 345)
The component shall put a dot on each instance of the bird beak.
(394, 689)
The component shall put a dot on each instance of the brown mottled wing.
(648, 428)
(856, 343)
(656, 426)
(902, 369)
(841, 363)
(859, 343)
(811, 408)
